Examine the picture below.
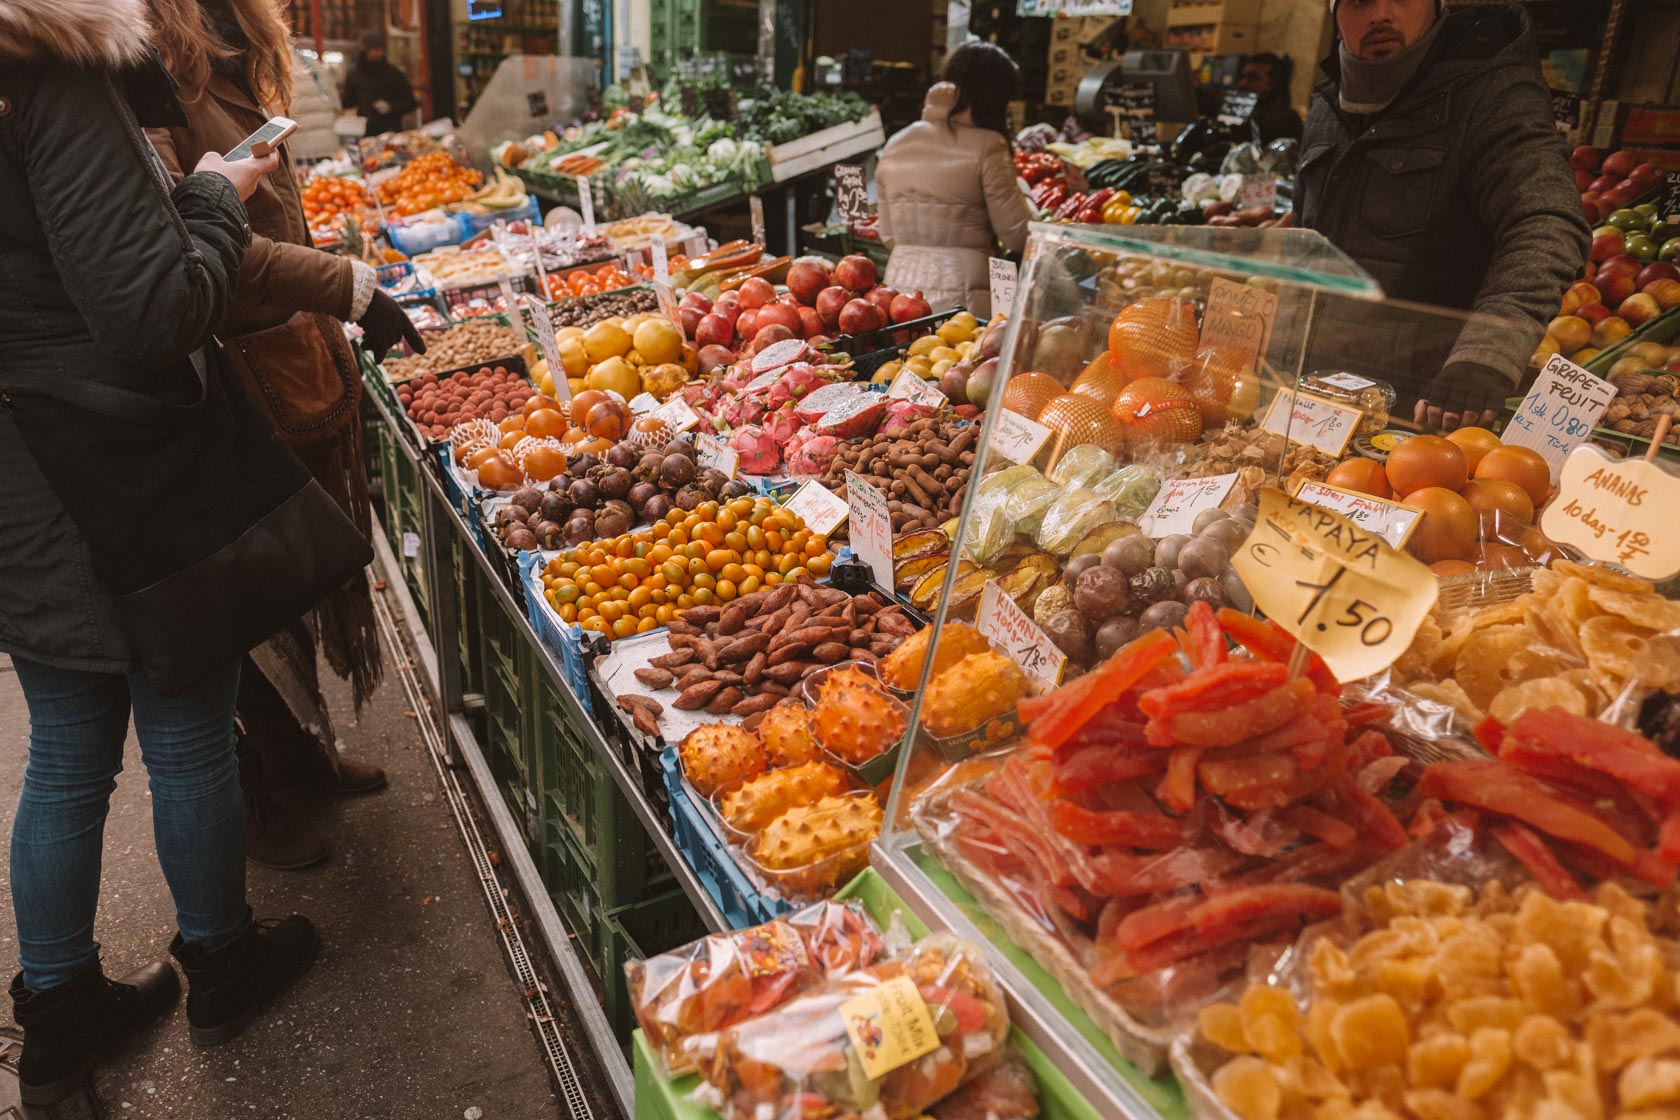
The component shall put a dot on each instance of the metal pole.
(1601, 67)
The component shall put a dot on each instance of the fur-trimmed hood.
(107, 33)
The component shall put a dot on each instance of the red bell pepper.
(1338, 834)
(1623, 755)
(1215, 686)
(1501, 788)
(1231, 913)
(1178, 789)
(1237, 723)
(1072, 706)
(1097, 828)
(1268, 640)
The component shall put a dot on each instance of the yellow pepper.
(1114, 207)
(1129, 215)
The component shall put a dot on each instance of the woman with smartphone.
(233, 62)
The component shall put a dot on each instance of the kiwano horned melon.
(756, 802)
(786, 732)
(972, 691)
(902, 668)
(719, 755)
(855, 718)
(808, 833)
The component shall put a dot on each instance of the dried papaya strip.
(1178, 788)
(1268, 640)
(1096, 765)
(1203, 641)
(1100, 828)
(1074, 704)
(1371, 817)
(1224, 916)
(1221, 776)
(1149, 924)
(1237, 723)
(1114, 875)
(1338, 834)
(1228, 683)
(1623, 755)
(1541, 862)
(1499, 787)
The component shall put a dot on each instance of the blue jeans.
(78, 722)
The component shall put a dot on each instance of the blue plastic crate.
(563, 641)
(390, 275)
(472, 224)
(413, 238)
(741, 903)
(459, 497)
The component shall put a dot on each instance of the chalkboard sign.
(538, 102)
(1162, 182)
(1668, 207)
(1135, 100)
(1566, 110)
(1237, 107)
(690, 100)
(851, 195)
(1143, 132)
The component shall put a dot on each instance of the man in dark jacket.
(1431, 159)
(376, 89)
(1268, 75)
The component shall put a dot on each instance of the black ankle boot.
(66, 1027)
(226, 988)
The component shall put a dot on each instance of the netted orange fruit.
(1026, 394)
(1224, 387)
(546, 422)
(1152, 338)
(1155, 410)
(1098, 380)
(1078, 419)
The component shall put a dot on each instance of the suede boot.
(65, 1028)
(227, 987)
(274, 837)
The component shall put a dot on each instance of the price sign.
(1352, 382)
(755, 207)
(544, 326)
(1321, 424)
(1257, 191)
(1178, 502)
(1566, 110)
(871, 527)
(1013, 631)
(586, 204)
(510, 303)
(1343, 591)
(1002, 275)
(643, 403)
(712, 452)
(661, 261)
(1133, 100)
(1016, 438)
(1668, 206)
(677, 414)
(913, 388)
(1391, 521)
(1162, 182)
(1238, 320)
(1560, 411)
(1617, 511)
(818, 507)
(851, 196)
(411, 545)
(1237, 107)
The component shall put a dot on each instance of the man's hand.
(244, 174)
(384, 325)
(1463, 395)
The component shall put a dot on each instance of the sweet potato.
(655, 678)
(676, 659)
(697, 696)
(725, 700)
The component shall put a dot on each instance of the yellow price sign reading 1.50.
(1340, 589)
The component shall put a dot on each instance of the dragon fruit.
(700, 396)
(796, 381)
(854, 418)
(757, 449)
(811, 454)
(782, 425)
(816, 404)
(900, 415)
(740, 409)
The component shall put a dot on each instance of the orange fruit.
(1474, 442)
(1423, 462)
(1361, 475)
(1152, 338)
(1098, 380)
(1452, 567)
(1519, 465)
(531, 405)
(546, 422)
(1026, 394)
(1495, 495)
(1447, 529)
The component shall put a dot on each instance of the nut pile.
(924, 473)
(436, 405)
(465, 344)
(1641, 397)
(1256, 457)
(584, 311)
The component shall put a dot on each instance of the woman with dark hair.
(946, 185)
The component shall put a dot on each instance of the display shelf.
(826, 146)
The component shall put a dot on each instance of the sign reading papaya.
(1618, 512)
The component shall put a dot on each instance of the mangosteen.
(614, 482)
(559, 482)
(676, 471)
(679, 447)
(622, 455)
(692, 496)
(1100, 591)
(520, 540)
(612, 523)
(647, 468)
(555, 507)
(1163, 616)
(732, 489)
(583, 464)
(510, 515)
(583, 492)
(527, 498)
(580, 527)
(1205, 589)
(639, 494)
(549, 534)
(713, 479)
(657, 507)
(615, 505)
(1076, 565)
(1072, 635)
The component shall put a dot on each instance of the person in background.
(315, 107)
(946, 187)
(117, 284)
(1269, 76)
(377, 90)
(233, 64)
(1431, 159)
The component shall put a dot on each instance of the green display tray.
(661, 1098)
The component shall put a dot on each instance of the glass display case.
(1151, 388)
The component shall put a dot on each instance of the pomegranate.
(714, 356)
(806, 277)
(697, 301)
(810, 323)
(729, 306)
(856, 273)
(769, 335)
(690, 317)
(882, 296)
(778, 313)
(715, 329)
(755, 292)
(859, 315)
(907, 306)
(829, 303)
(747, 323)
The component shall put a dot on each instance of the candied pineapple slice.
(1248, 1087)
(1222, 1025)
(1371, 1032)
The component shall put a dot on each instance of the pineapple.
(758, 801)
(902, 668)
(786, 732)
(972, 691)
(718, 755)
(855, 719)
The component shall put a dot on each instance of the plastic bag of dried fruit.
(683, 998)
(887, 1041)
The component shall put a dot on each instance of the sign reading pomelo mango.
(1238, 319)
(1618, 512)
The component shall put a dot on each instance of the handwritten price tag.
(1239, 319)
(586, 204)
(819, 508)
(510, 301)
(661, 260)
(643, 403)
(1256, 191)
(1003, 278)
(1320, 424)
(851, 196)
(544, 327)
(1013, 631)
(871, 527)
(1617, 511)
(1015, 437)
(1341, 590)
(712, 452)
(1178, 502)
(1560, 411)
(1391, 521)
(912, 388)
(677, 413)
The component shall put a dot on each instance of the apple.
(1617, 197)
(1672, 365)
(1610, 332)
(1591, 210)
(1589, 270)
(1593, 313)
(1662, 270)
(1641, 248)
(1665, 292)
(1615, 286)
(1621, 263)
(1606, 243)
(1586, 158)
(1604, 183)
(1579, 295)
(1638, 309)
(1645, 175)
(1619, 164)
(1583, 180)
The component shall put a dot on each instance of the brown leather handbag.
(302, 373)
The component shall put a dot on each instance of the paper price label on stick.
(1178, 502)
(755, 207)
(544, 326)
(411, 545)
(1013, 631)
(1257, 191)
(1559, 412)
(677, 413)
(510, 302)
(820, 508)
(1617, 511)
(1003, 279)
(1320, 424)
(586, 204)
(1015, 437)
(712, 452)
(851, 196)
(1238, 320)
(1391, 521)
(913, 388)
(661, 260)
(1342, 591)
(870, 528)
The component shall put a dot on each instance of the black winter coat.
(106, 274)
(1458, 195)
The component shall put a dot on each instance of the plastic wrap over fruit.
(1007, 1091)
(1085, 465)
(989, 528)
(683, 998)
(753, 804)
(1029, 501)
(1131, 489)
(861, 1048)
(1073, 515)
(1001, 482)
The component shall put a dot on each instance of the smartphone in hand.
(263, 140)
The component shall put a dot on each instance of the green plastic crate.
(403, 516)
(467, 575)
(636, 933)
